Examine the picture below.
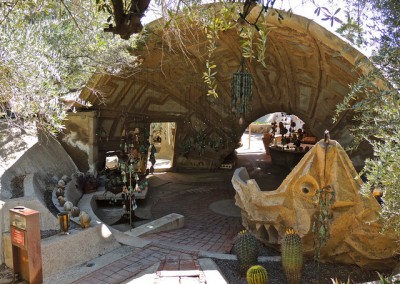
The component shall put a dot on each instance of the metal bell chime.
(241, 91)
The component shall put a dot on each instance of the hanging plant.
(247, 36)
(216, 21)
(262, 44)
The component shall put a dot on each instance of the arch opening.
(278, 128)
(162, 136)
(269, 152)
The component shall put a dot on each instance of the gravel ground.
(6, 274)
(310, 275)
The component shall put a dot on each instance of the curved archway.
(308, 72)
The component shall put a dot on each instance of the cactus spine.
(257, 275)
(292, 256)
(246, 249)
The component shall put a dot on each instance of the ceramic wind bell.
(241, 92)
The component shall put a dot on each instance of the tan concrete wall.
(80, 140)
(308, 72)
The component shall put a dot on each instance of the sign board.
(18, 237)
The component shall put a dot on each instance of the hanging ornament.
(241, 91)
(122, 166)
(137, 188)
(153, 149)
(124, 179)
(142, 149)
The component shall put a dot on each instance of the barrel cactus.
(257, 275)
(292, 256)
(246, 248)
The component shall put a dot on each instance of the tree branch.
(72, 16)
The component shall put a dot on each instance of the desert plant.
(336, 281)
(246, 248)
(292, 256)
(388, 279)
(257, 275)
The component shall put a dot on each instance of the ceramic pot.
(59, 192)
(61, 183)
(61, 200)
(68, 206)
(75, 211)
(84, 219)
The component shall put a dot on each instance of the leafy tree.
(50, 49)
(377, 112)
(48, 52)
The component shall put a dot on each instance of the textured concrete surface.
(354, 226)
(168, 222)
(32, 159)
(309, 70)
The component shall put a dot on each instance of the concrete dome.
(308, 73)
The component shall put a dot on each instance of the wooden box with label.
(26, 244)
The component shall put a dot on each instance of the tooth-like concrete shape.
(355, 226)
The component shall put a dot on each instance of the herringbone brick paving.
(178, 250)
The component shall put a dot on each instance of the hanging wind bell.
(241, 91)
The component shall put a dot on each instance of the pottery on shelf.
(61, 183)
(84, 219)
(59, 192)
(61, 200)
(75, 211)
(68, 205)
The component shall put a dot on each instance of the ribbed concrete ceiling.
(308, 72)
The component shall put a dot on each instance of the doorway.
(252, 138)
(162, 136)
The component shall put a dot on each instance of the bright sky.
(306, 10)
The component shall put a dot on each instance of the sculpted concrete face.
(354, 226)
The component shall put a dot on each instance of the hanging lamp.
(241, 91)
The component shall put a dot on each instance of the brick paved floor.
(139, 260)
(176, 251)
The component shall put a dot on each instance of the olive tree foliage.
(49, 50)
(377, 110)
